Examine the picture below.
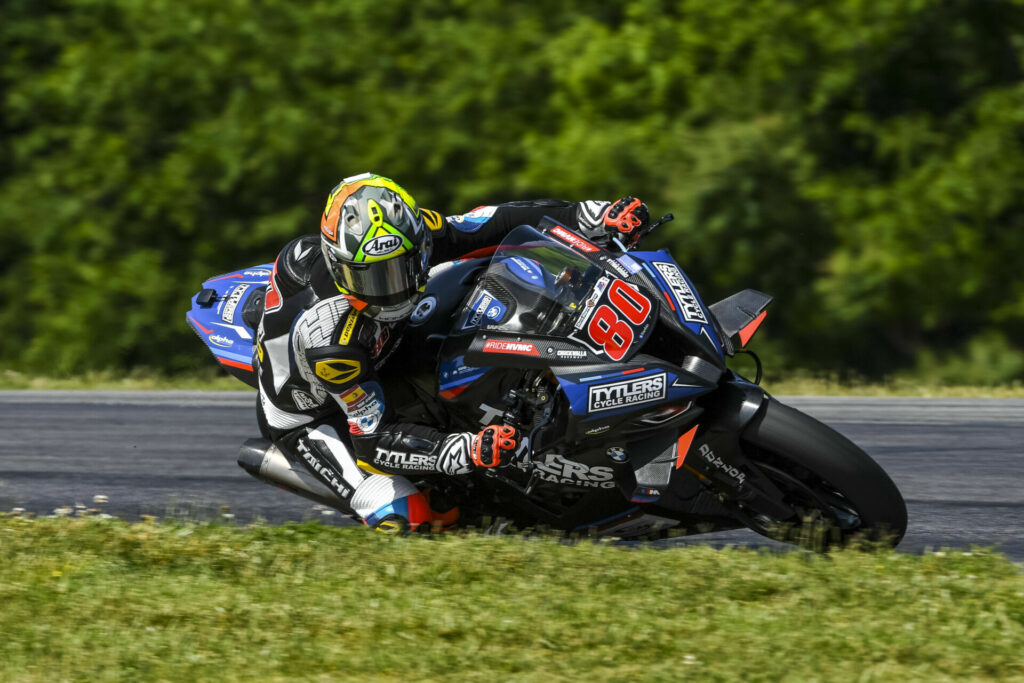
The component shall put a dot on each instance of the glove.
(627, 219)
(494, 443)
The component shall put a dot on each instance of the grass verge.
(105, 600)
(817, 386)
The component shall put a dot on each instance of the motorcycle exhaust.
(269, 464)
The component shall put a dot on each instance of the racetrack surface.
(958, 462)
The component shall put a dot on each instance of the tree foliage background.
(861, 161)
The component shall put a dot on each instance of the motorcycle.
(611, 364)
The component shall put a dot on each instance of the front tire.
(833, 484)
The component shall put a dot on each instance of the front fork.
(717, 459)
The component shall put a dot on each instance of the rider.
(335, 309)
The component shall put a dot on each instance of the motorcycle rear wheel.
(839, 492)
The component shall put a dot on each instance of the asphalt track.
(958, 462)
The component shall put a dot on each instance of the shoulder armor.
(295, 263)
(338, 367)
(433, 220)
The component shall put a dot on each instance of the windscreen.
(533, 285)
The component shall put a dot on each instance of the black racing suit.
(316, 354)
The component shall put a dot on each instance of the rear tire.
(833, 483)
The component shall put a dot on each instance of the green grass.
(105, 600)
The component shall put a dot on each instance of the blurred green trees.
(860, 161)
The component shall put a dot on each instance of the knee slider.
(409, 513)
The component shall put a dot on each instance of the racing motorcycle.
(610, 362)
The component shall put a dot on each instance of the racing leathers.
(316, 353)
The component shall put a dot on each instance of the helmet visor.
(382, 283)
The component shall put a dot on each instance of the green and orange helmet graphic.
(374, 239)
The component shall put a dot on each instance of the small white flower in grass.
(62, 511)
(690, 659)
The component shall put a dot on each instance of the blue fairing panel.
(680, 293)
(621, 391)
(216, 315)
(456, 376)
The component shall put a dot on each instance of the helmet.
(376, 245)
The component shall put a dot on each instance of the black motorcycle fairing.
(672, 341)
(497, 322)
(666, 337)
(643, 417)
(736, 403)
(442, 297)
(517, 351)
(488, 334)
(482, 402)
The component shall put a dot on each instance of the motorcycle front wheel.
(839, 493)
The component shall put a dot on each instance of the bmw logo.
(617, 453)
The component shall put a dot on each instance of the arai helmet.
(376, 245)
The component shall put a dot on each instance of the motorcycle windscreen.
(535, 286)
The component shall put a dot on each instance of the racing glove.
(627, 219)
(410, 449)
(495, 445)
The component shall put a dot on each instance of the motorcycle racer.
(335, 310)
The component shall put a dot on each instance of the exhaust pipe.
(269, 464)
